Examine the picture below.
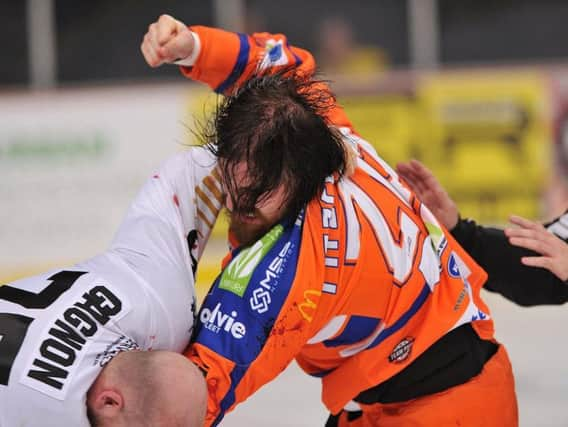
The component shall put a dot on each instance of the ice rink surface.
(537, 341)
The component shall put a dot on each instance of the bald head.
(148, 388)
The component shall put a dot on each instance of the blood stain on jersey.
(402, 350)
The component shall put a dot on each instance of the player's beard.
(247, 232)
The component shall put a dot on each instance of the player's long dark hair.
(276, 124)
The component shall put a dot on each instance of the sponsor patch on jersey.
(260, 300)
(402, 350)
(236, 326)
(309, 305)
(217, 321)
(274, 54)
(63, 343)
(236, 277)
(439, 240)
(453, 267)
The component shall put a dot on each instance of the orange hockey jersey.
(354, 289)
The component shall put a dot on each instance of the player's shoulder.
(195, 156)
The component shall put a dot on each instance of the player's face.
(268, 211)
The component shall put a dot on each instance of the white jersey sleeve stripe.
(560, 227)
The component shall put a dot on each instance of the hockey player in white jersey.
(60, 331)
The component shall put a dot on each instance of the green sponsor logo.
(439, 240)
(236, 277)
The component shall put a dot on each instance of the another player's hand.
(423, 182)
(167, 40)
(532, 235)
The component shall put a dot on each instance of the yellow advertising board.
(388, 122)
(486, 136)
(489, 141)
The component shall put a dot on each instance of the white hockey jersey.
(58, 329)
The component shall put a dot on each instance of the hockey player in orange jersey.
(340, 266)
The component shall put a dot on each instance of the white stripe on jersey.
(560, 227)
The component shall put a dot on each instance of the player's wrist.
(190, 60)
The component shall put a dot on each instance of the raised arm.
(225, 60)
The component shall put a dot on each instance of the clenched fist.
(166, 41)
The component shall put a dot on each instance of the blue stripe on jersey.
(236, 376)
(322, 374)
(242, 61)
(357, 329)
(296, 57)
(416, 305)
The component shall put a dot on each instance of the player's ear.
(107, 403)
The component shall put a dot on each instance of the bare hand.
(532, 235)
(425, 185)
(166, 41)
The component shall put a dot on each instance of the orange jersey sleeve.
(227, 59)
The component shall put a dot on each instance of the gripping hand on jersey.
(532, 235)
(166, 41)
(425, 185)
